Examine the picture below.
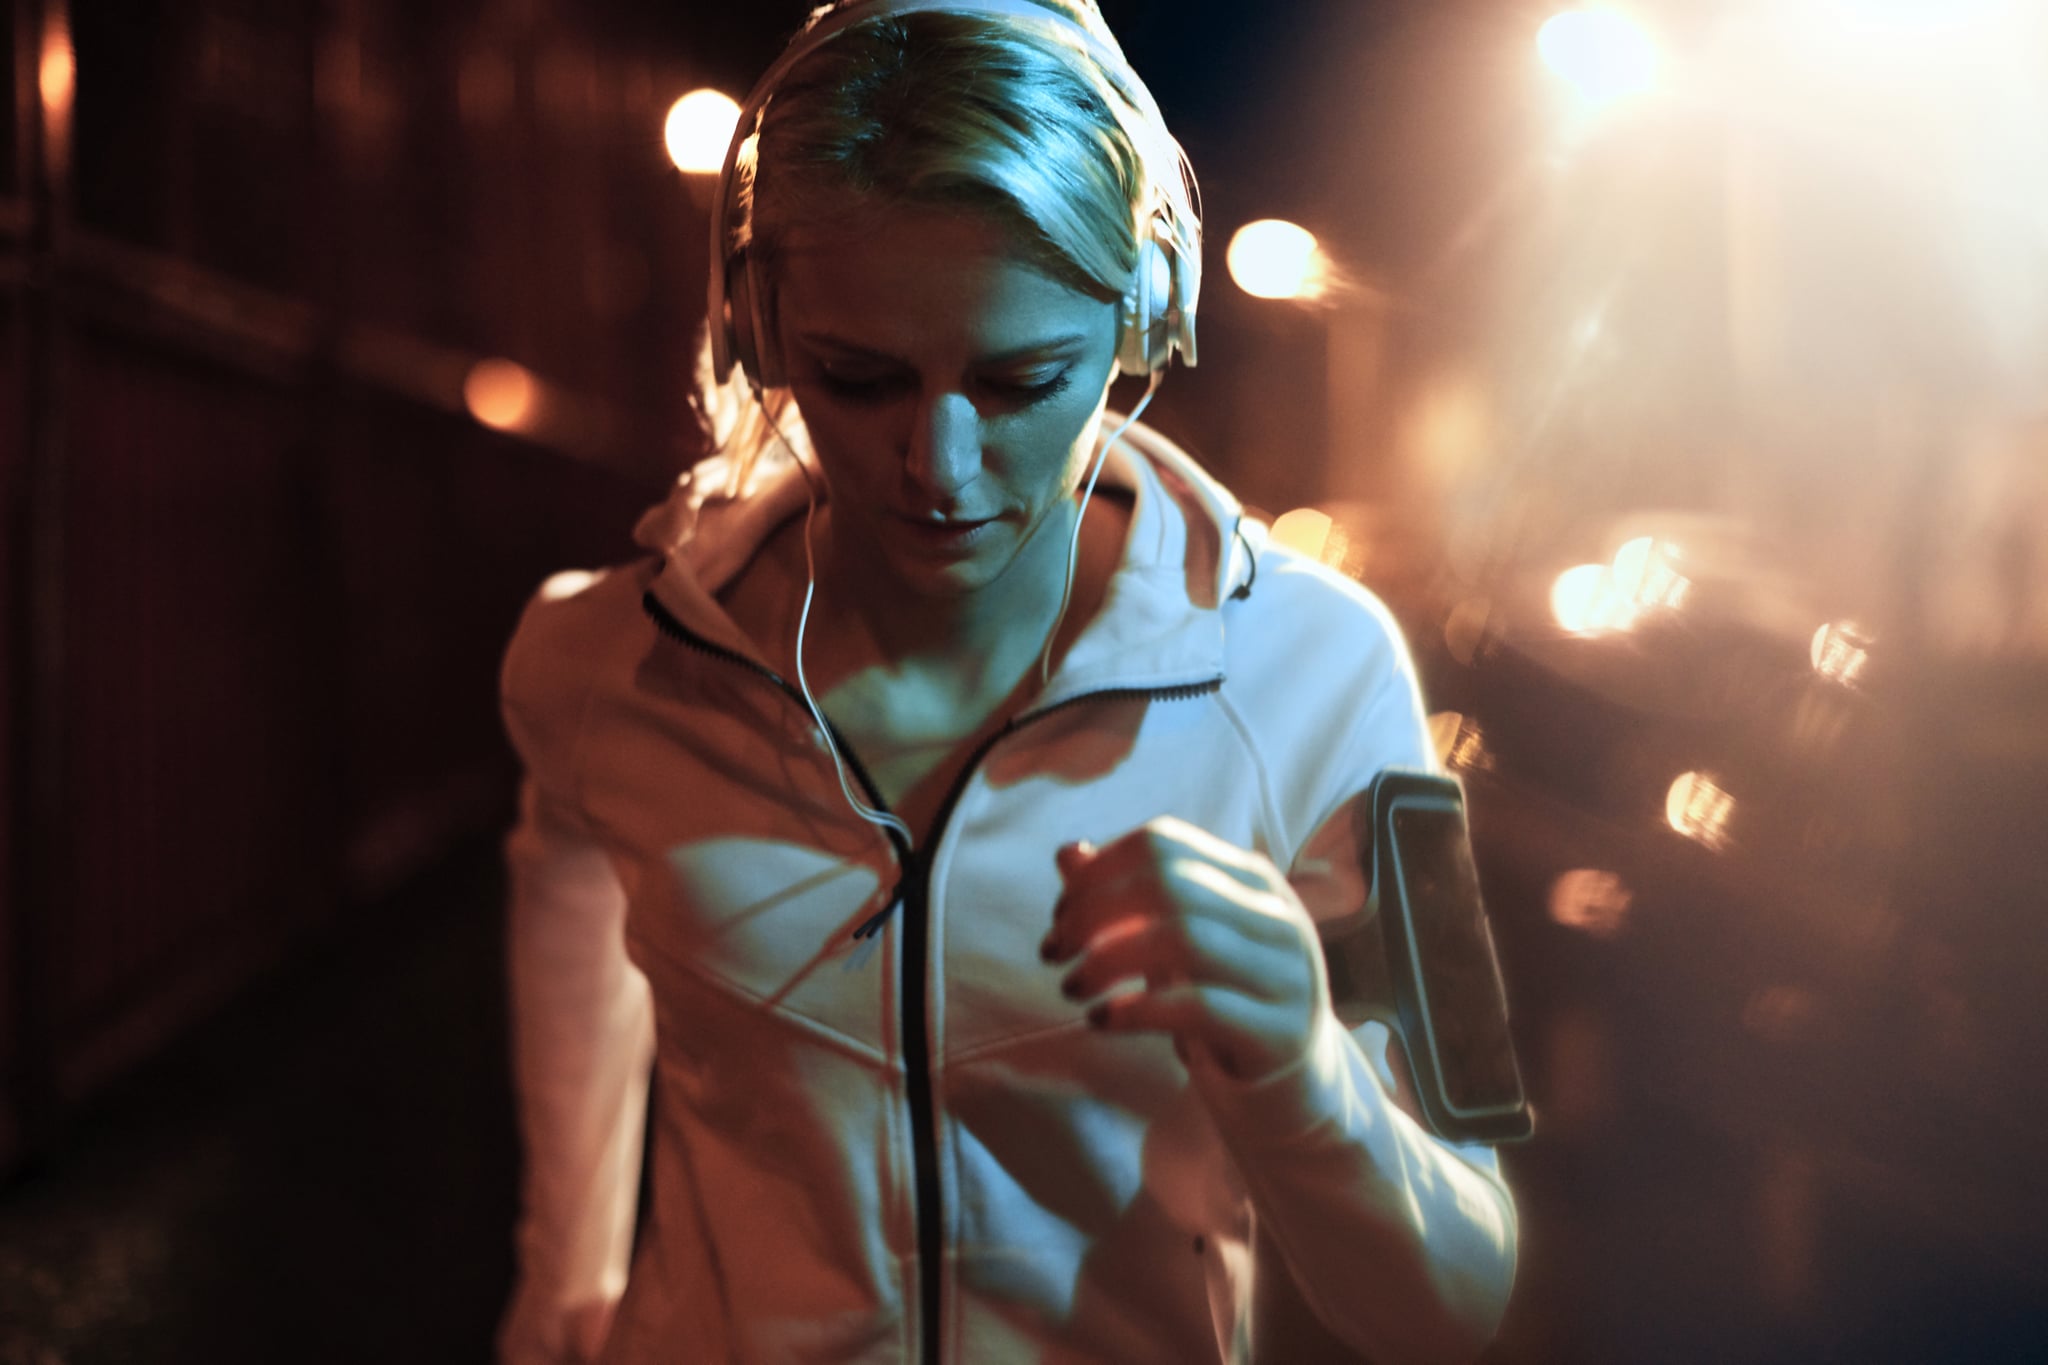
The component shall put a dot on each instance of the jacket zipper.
(913, 893)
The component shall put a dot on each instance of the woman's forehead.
(858, 228)
(897, 282)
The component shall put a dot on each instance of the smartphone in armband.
(1423, 946)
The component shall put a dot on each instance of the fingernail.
(1098, 1015)
(1071, 988)
(1049, 950)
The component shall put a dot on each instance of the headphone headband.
(1157, 316)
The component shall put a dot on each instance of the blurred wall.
(260, 559)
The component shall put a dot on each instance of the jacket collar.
(1160, 624)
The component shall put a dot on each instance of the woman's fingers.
(1160, 841)
(1225, 952)
(1180, 949)
(1164, 869)
(1249, 1038)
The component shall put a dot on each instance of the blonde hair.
(1018, 122)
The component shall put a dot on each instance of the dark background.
(259, 563)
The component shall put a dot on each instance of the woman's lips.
(955, 535)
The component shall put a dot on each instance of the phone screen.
(1464, 1006)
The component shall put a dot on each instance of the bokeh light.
(566, 584)
(57, 73)
(1459, 742)
(1645, 575)
(1697, 807)
(1582, 599)
(1304, 529)
(1840, 651)
(501, 394)
(1275, 259)
(699, 129)
(1591, 900)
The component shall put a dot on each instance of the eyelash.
(879, 390)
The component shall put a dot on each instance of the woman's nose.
(945, 446)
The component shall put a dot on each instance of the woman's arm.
(582, 1044)
(581, 1018)
(1403, 1245)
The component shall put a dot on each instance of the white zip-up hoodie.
(909, 1147)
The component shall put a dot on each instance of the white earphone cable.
(879, 818)
(1074, 545)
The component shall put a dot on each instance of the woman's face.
(951, 391)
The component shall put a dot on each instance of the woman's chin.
(954, 563)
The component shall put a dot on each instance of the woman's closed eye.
(863, 386)
(1026, 389)
(862, 382)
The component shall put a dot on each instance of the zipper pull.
(874, 923)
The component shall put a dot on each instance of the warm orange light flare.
(501, 394)
(699, 129)
(1274, 259)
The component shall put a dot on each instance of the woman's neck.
(977, 640)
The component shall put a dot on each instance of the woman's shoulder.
(1322, 683)
(571, 624)
(1306, 609)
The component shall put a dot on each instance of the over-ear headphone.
(1156, 316)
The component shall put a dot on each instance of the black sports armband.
(1423, 940)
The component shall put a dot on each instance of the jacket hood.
(1187, 547)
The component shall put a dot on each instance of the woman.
(948, 833)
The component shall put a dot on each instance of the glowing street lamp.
(1603, 55)
(698, 130)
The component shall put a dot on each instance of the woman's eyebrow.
(1036, 350)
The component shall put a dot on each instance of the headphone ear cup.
(1131, 312)
(1143, 344)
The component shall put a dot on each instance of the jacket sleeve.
(1403, 1245)
(582, 1043)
